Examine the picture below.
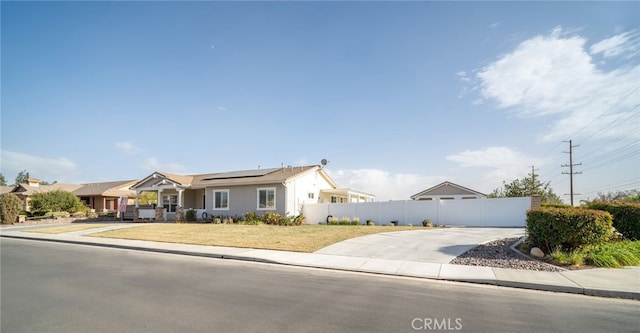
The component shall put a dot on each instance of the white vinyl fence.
(499, 212)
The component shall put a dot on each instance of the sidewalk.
(619, 283)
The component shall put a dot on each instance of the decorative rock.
(537, 253)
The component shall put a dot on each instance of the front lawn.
(305, 238)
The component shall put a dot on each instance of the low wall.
(499, 212)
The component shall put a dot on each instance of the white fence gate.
(499, 212)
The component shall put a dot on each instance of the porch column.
(180, 209)
(180, 198)
(160, 208)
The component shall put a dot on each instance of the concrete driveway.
(429, 245)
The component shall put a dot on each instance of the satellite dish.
(324, 162)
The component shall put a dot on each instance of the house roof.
(235, 178)
(106, 189)
(451, 187)
(6, 189)
(26, 189)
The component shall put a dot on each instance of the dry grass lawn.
(72, 228)
(306, 238)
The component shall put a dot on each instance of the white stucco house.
(281, 190)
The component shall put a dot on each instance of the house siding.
(298, 191)
(244, 199)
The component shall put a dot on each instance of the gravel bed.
(499, 254)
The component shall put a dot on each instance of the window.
(267, 198)
(170, 202)
(311, 195)
(221, 199)
(334, 199)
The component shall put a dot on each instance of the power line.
(607, 111)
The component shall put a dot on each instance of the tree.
(148, 198)
(625, 196)
(22, 177)
(3, 182)
(9, 207)
(56, 201)
(526, 187)
(47, 183)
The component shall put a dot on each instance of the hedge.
(626, 216)
(569, 228)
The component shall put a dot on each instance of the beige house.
(281, 190)
(103, 197)
(448, 191)
(100, 197)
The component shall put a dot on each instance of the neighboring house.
(281, 190)
(100, 197)
(103, 197)
(447, 191)
(24, 191)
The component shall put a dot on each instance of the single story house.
(281, 190)
(31, 186)
(100, 197)
(104, 196)
(447, 191)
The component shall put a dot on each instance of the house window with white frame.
(221, 199)
(170, 202)
(267, 198)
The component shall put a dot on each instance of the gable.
(446, 188)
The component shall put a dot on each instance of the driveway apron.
(428, 245)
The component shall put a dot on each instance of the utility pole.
(571, 165)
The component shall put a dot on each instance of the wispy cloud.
(221, 108)
(127, 147)
(499, 163)
(152, 164)
(60, 169)
(555, 75)
(627, 43)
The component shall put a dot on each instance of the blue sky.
(397, 96)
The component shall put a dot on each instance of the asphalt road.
(49, 287)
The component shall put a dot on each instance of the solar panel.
(242, 174)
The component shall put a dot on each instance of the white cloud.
(503, 163)
(555, 75)
(59, 169)
(127, 147)
(384, 185)
(221, 108)
(153, 164)
(628, 42)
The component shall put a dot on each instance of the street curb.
(496, 282)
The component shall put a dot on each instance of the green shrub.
(626, 216)
(250, 216)
(9, 208)
(345, 221)
(92, 215)
(298, 220)
(191, 215)
(427, 223)
(79, 214)
(355, 220)
(56, 201)
(569, 228)
(271, 218)
(333, 220)
(371, 222)
(554, 205)
(252, 222)
(56, 215)
(614, 254)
